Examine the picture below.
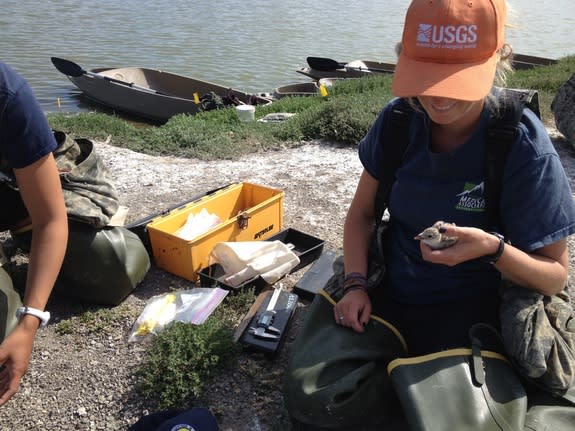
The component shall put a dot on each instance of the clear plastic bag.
(189, 306)
(197, 224)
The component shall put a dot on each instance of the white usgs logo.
(447, 35)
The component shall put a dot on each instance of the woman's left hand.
(15, 352)
(471, 244)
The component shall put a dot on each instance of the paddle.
(70, 68)
(327, 64)
(372, 69)
(324, 64)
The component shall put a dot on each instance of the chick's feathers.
(434, 238)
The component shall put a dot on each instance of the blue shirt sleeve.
(25, 135)
(537, 206)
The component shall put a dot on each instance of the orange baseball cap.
(449, 48)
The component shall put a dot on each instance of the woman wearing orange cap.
(450, 54)
(439, 282)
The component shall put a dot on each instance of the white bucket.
(246, 112)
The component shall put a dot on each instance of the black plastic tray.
(308, 248)
(210, 277)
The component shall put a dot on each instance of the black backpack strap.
(501, 134)
(396, 142)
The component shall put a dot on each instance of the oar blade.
(67, 67)
(324, 64)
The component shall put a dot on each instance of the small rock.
(563, 108)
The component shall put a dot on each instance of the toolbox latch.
(243, 219)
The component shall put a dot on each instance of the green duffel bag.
(337, 378)
(9, 302)
(463, 389)
(547, 412)
(101, 266)
(550, 418)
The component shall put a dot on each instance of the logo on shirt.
(471, 198)
(447, 36)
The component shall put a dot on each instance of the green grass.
(343, 116)
(100, 321)
(547, 81)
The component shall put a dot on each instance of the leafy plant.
(182, 359)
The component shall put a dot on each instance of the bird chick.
(434, 238)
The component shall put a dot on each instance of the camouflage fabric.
(375, 270)
(89, 191)
(539, 335)
(88, 188)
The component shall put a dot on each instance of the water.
(251, 45)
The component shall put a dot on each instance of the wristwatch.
(44, 316)
(494, 257)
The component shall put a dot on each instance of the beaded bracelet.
(358, 282)
(354, 287)
(355, 277)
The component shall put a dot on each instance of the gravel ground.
(83, 381)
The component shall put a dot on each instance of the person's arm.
(545, 270)
(41, 192)
(355, 306)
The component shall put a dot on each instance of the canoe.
(320, 67)
(523, 61)
(299, 89)
(152, 94)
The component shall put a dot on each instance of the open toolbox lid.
(139, 226)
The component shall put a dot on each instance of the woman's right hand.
(353, 310)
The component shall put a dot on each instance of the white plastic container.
(246, 113)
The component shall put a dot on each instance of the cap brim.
(471, 81)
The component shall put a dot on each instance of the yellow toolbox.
(248, 212)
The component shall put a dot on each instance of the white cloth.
(244, 260)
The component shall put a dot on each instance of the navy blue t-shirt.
(537, 207)
(25, 135)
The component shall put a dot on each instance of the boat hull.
(354, 69)
(297, 89)
(358, 68)
(153, 94)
